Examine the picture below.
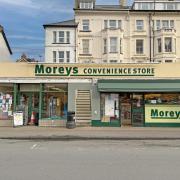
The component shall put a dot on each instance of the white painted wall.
(4, 51)
(50, 47)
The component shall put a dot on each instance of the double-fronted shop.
(100, 95)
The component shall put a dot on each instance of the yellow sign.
(162, 113)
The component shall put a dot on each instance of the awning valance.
(139, 85)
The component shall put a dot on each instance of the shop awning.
(139, 85)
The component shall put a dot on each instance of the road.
(89, 160)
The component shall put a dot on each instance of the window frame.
(113, 47)
(61, 59)
(139, 27)
(138, 49)
(85, 46)
(61, 38)
(85, 25)
(166, 48)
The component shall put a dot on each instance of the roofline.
(61, 25)
(7, 43)
(64, 26)
(133, 10)
(124, 10)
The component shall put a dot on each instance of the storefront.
(110, 95)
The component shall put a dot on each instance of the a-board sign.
(18, 119)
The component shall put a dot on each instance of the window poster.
(5, 105)
(109, 106)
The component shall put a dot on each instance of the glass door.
(138, 110)
(125, 109)
(29, 104)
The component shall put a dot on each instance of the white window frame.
(159, 45)
(86, 5)
(85, 46)
(54, 37)
(113, 45)
(111, 26)
(61, 58)
(119, 24)
(140, 50)
(61, 37)
(105, 24)
(120, 46)
(105, 46)
(67, 56)
(139, 25)
(85, 24)
(54, 56)
(168, 48)
(68, 37)
(158, 24)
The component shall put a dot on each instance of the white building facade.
(60, 42)
(148, 31)
(5, 50)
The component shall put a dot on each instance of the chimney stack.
(122, 3)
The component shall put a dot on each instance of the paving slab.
(89, 133)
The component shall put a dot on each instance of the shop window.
(109, 107)
(54, 105)
(162, 98)
(6, 101)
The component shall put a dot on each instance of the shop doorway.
(29, 105)
(125, 109)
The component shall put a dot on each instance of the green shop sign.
(73, 71)
(162, 113)
(159, 114)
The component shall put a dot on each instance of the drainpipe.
(150, 38)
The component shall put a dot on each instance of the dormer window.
(86, 5)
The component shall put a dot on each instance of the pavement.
(89, 133)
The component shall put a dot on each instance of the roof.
(4, 36)
(24, 58)
(68, 23)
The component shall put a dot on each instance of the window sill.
(85, 54)
(140, 31)
(113, 52)
(143, 55)
(85, 31)
(61, 43)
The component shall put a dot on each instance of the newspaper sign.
(18, 119)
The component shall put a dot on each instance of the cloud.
(60, 6)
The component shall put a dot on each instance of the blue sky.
(23, 20)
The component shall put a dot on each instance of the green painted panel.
(139, 85)
(98, 123)
(162, 125)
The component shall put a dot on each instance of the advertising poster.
(18, 119)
